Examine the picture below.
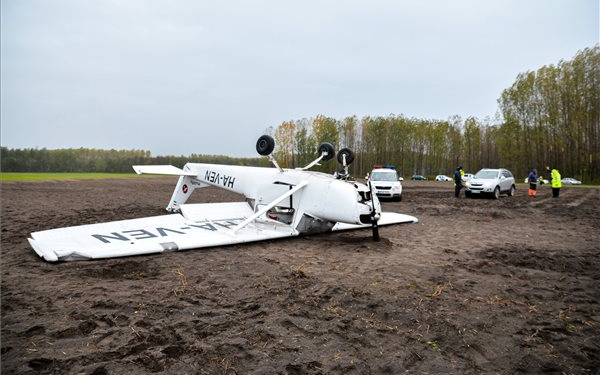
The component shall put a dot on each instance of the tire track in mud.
(591, 194)
(542, 286)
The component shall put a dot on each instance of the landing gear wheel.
(265, 145)
(328, 148)
(349, 156)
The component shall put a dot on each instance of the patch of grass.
(183, 283)
(17, 176)
(299, 272)
(549, 186)
(434, 345)
(580, 186)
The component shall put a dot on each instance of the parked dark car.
(418, 177)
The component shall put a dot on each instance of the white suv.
(491, 182)
(385, 183)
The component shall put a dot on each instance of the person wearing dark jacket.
(532, 179)
(458, 182)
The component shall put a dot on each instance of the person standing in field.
(458, 173)
(555, 181)
(532, 179)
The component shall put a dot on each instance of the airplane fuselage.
(323, 197)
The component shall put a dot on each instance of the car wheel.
(496, 194)
(467, 194)
(511, 192)
(399, 199)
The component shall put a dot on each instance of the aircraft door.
(274, 191)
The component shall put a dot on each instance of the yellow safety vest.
(556, 183)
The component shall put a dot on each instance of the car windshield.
(486, 175)
(384, 176)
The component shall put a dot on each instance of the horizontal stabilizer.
(161, 169)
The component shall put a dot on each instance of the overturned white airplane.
(279, 203)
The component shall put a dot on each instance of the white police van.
(385, 182)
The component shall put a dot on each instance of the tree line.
(552, 116)
(101, 161)
(547, 117)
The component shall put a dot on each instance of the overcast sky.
(208, 77)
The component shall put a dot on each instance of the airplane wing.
(198, 226)
(387, 218)
(157, 234)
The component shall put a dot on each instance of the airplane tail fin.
(184, 188)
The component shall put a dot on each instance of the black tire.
(511, 192)
(326, 147)
(349, 156)
(265, 145)
(496, 193)
(399, 199)
(467, 194)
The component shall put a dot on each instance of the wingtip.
(48, 256)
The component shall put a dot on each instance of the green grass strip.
(17, 176)
(563, 186)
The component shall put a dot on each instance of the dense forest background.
(547, 117)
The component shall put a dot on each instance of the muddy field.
(506, 286)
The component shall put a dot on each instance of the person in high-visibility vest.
(555, 181)
(532, 179)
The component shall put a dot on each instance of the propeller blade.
(374, 225)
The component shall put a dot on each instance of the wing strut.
(269, 206)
